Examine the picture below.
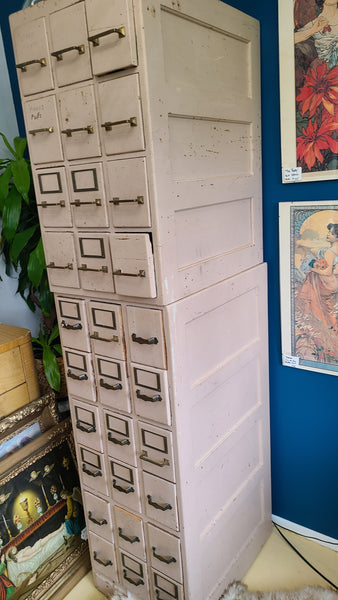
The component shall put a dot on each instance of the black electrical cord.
(305, 560)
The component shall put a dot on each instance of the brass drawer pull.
(93, 520)
(97, 202)
(23, 66)
(107, 386)
(165, 506)
(42, 130)
(104, 563)
(124, 442)
(75, 327)
(133, 581)
(103, 269)
(84, 427)
(52, 265)
(95, 336)
(91, 473)
(141, 273)
(156, 398)
(69, 132)
(159, 463)
(45, 204)
(125, 490)
(108, 125)
(117, 201)
(82, 377)
(140, 340)
(166, 559)
(95, 39)
(59, 53)
(128, 538)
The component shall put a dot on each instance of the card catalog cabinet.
(144, 135)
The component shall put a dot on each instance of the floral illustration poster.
(309, 88)
(309, 284)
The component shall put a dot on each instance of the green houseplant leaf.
(36, 264)
(21, 177)
(11, 214)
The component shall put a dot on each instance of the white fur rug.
(239, 591)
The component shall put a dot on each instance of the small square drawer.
(111, 34)
(121, 115)
(103, 556)
(163, 588)
(133, 573)
(94, 263)
(119, 432)
(92, 470)
(146, 336)
(79, 130)
(86, 424)
(105, 585)
(150, 393)
(73, 323)
(125, 486)
(130, 534)
(165, 552)
(106, 332)
(43, 130)
(160, 501)
(98, 516)
(88, 198)
(60, 259)
(80, 376)
(128, 193)
(155, 451)
(133, 265)
(52, 197)
(70, 49)
(112, 383)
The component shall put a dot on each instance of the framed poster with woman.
(308, 49)
(309, 285)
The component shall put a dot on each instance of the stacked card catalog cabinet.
(143, 123)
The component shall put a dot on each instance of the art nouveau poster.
(308, 41)
(309, 285)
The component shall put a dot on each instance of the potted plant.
(22, 249)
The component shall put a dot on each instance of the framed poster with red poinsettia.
(308, 49)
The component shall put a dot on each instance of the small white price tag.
(290, 361)
(294, 174)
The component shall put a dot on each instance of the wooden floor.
(276, 567)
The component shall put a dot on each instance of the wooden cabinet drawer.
(111, 34)
(73, 324)
(94, 263)
(103, 556)
(125, 488)
(78, 120)
(163, 588)
(106, 332)
(43, 130)
(86, 424)
(133, 574)
(165, 552)
(150, 393)
(60, 259)
(133, 265)
(52, 197)
(32, 57)
(112, 383)
(130, 534)
(155, 451)
(120, 438)
(98, 516)
(92, 470)
(160, 500)
(121, 116)
(70, 49)
(79, 373)
(88, 198)
(128, 193)
(146, 337)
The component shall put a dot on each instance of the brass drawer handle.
(84, 427)
(159, 463)
(52, 265)
(108, 125)
(125, 490)
(42, 130)
(141, 273)
(23, 66)
(75, 327)
(107, 386)
(163, 507)
(45, 204)
(95, 336)
(104, 563)
(131, 539)
(124, 442)
(166, 559)
(156, 398)
(97, 202)
(93, 520)
(69, 132)
(95, 39)
(59, 53)
(133, 581)
(141, 340)
(117, 201)
(91, 473)
(103, 269)
(82, 377)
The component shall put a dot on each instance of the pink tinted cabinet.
(143, 123)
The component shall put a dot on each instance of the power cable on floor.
(305, 560)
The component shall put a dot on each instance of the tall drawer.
(133, 265)
(146, 337)
(106, 332)
(86, 424)
(163, 588)
(78, 120)
(112, 383)
(103, 557)
(120, 437)
(73, 324)
(130, 534)
(128, 193)
(125, 488)
(43, 130)
(52, 197)
(150, 393)
(88, 197)
(155, 451)
(60, 259)
(94, 263)
(160, 501)
(121, 116)
(133, 574)
(165, 552)
(79, 373)
(98, 516)
(92, 470)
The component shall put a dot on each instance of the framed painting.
(308, 38)
(309, 285)
(41, 518)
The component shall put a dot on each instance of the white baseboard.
(324, 540)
